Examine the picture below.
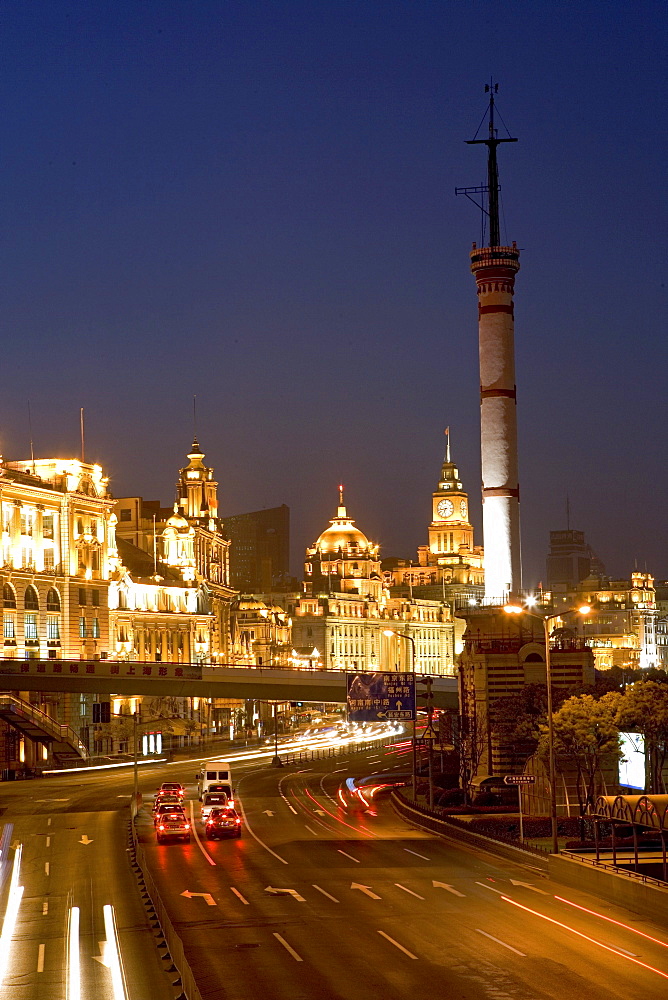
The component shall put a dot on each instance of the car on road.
(172, 826)
(212, 800)
(167, 809)
(222, 821)
(166, 799)
(172, 788)
(357, 794)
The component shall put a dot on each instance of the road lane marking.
(255, 836)
(274, 891)
(349, 856)
(287, 947)
(491, 889)
(450, 888)
(205, 895)
(237, 893)
(410, 891)
(529, 885)
(48, 822)
(503, 943)
(46, 867)
(397, 945)
(45, 907)
(40, 958)
(314, 832)
(199, 842)
(366, 889)
(325, 893)
(416, 854)
(48, 841)
(606, 947)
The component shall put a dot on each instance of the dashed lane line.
(288, 948)
(416, 854)
(502, 943)
(325, 893)
(397, 945)
(409, 891)
(238, 894)
(356, 860)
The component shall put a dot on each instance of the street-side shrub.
(451, 797)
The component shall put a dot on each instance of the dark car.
(222, 822)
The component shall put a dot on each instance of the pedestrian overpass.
(107, 677)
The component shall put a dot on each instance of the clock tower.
(450, 528)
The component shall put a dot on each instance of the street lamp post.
(276, 762)
(404, 635)
(512, 609)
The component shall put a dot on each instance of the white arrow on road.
(85, 840)
(319, 812)
(450, 888)
(366, 889)
(268, 812)
(205, 895)
(290, 892)
(528, 885)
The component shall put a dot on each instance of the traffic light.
(427, 695)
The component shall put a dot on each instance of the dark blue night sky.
(254, 202)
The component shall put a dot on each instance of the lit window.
(52, 627)
(8, 626)
(82, 628)
(30, 625)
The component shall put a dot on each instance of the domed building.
(343, 560)
(347, 617)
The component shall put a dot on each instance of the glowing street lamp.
(513, 609)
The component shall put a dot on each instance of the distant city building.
(345, 611)
(259, 549)
(570, 560)
(622, 626)
(261, 634)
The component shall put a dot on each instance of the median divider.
(190, 990)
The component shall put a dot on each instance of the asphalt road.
(312, 903)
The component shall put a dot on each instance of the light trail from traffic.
(113, 955)
(11, 913)
(602, 916)
(586, 937)
(73, 957)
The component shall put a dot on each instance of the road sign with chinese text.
(519, 779)
(380, 696)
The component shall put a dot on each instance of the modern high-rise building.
(259, 549)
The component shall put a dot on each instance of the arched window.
(8, 596)
(31, 599)
(52, 600)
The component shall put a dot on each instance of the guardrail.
(174, 943)
(322, 753)
(604, 866)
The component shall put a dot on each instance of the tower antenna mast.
(492, 188)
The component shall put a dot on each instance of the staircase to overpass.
(62, 741)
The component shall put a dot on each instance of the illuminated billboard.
(632, 762)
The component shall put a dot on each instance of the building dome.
(177, 521)
(342, 533)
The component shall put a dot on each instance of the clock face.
(462, 508)
(445, 507)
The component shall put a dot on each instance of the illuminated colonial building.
(58, 555)
(622, 627)
(450, 564)
(346, 610)
(188, 539)
(261, 634)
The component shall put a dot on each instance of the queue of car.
(218, 817)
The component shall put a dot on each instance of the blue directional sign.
(380, 696)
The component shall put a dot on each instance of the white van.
(216, 773)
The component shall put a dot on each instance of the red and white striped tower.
(494, 268)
